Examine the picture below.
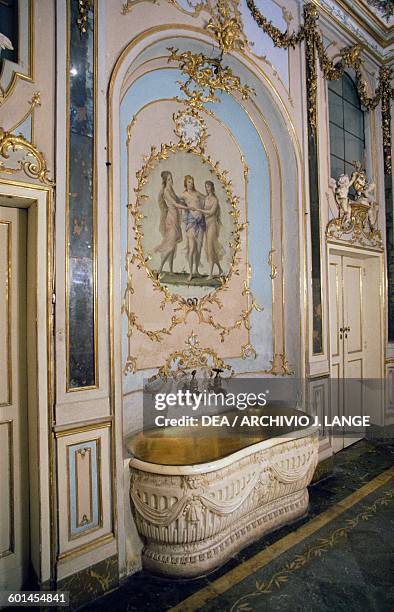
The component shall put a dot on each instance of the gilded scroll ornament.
(205, 77)
(127, 6)
(274, 268)
(32, 162)
(194, 357)
(357, 221)
(227, 27)
(248, 351)
(350, 57)
(225, 13)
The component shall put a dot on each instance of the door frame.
(37, 200)
(366, 254)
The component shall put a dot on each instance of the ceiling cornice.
(366, 18)
(378, 46)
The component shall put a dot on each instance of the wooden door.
(14, 478)
(347, 295)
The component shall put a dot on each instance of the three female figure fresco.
(201, 216)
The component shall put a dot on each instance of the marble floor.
(338, 557)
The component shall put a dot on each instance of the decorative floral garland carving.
(84, 6)
(349, 58)
(35, 167)
(280, 39)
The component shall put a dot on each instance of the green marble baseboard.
(91, 582)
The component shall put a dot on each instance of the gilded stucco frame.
(185, 306)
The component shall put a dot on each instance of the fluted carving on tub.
(156, 517)
(289, 477)
(292, 469)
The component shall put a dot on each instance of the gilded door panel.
(353, 275)
(336, 342)
(336, 370)
(353, 400)
(83, 475)
(5, 312)
(354, 368)
(84, 488)
(335, 307)
(353, 303)
(6, 498)
(353, 388)
(14, 496)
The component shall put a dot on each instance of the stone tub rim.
(217, 464)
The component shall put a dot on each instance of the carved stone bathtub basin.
(200, 498)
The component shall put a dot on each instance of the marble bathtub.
(197, 499)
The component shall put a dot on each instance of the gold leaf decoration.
(33, 163)
(350, 57)
(205, 77)
(194, 357)
(227, 27)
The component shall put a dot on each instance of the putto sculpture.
(341, 193)
(357, 218)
